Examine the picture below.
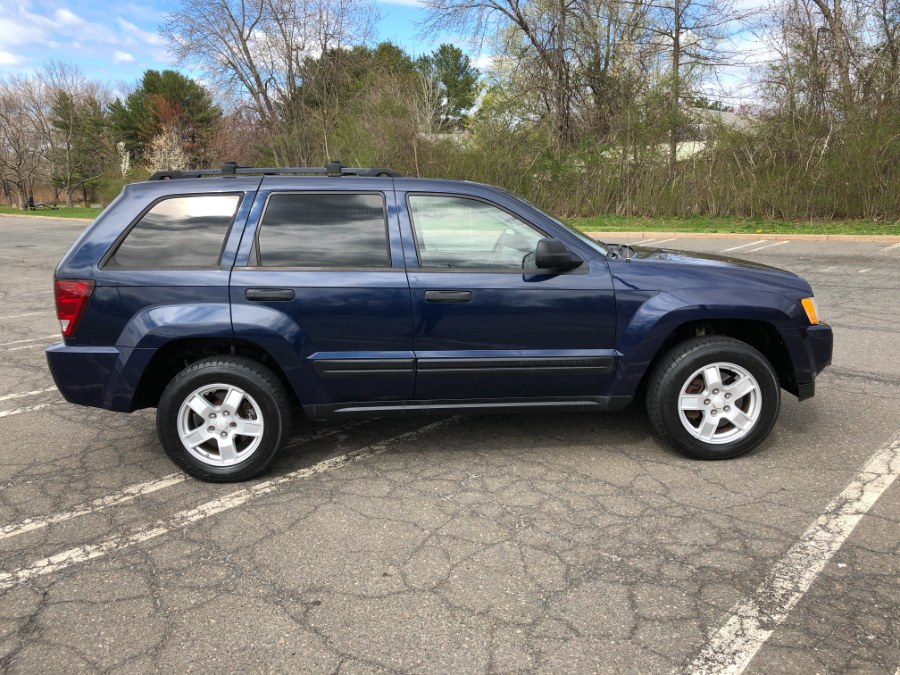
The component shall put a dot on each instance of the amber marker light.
(812, 312)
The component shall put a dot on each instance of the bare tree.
(257, 47)
(76, 148)
(528, 29)
(690, 36)
(23, 133)
(835, 58)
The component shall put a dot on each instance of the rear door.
(320, 273)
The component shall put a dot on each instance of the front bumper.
(818, 345)
(100, 377)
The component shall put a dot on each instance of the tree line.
(588, 106)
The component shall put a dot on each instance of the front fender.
(647, 322)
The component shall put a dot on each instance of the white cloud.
(140, 34)
(18, 30)
(8, 59)
(122, 57)
(68, 17)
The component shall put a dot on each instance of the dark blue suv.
(225, 297)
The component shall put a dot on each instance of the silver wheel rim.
(720, 403)
(220, 425)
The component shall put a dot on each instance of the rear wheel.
(222, 419)
(714, 397)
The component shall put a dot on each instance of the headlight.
(812, 310)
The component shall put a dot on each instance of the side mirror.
(552, 254)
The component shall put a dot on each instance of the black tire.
(671, 375)
(256, 381)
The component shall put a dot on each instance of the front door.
(486, 324)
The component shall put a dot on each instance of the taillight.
(72, 296)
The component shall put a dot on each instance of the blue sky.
(119, 40)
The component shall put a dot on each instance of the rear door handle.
(448, 296)
(259, 294)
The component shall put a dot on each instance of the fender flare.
(656, 319)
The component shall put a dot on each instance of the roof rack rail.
(334, 168)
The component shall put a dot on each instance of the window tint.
(323, 230)
(458, 232)
(179, 232)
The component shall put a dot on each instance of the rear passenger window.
(179, 232)
(323, 230)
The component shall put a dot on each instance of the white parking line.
(658, 242)
(827, 269)
(18, 349)
(19, 411)
(15, 342)
(772, 245)
(24, 394)
(864, 270)
(752, 243)
(130, 492)
(16, 316)
(182, 519)
(124, 495)
(888, 248)
(755, 618)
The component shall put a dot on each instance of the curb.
(636, 237)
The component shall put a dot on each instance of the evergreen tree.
(166, 101)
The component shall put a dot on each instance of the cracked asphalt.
(516, 543)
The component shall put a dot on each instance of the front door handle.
(259, 294)
(448, 296)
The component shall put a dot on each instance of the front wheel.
(713, 397)
(222, 419)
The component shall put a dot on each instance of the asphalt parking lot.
(553, 543)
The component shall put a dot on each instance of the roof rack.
(334, 168)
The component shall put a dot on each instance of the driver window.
(456, 232)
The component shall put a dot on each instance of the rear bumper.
(818, 344)
(100, 377)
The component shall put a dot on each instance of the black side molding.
(332, 368)
(599, 364)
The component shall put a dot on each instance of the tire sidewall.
(741, 355)
(195, 377)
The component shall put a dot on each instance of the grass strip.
(732, 225)
(61, 212)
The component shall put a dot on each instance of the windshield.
(593, 243)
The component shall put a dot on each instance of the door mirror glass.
(552, 254)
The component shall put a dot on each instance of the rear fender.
(154, 326)
(280, 336)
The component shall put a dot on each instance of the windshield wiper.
(623, 251)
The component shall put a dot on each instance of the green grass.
(725, 224)
(61, 212)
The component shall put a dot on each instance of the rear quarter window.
(183, 231)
